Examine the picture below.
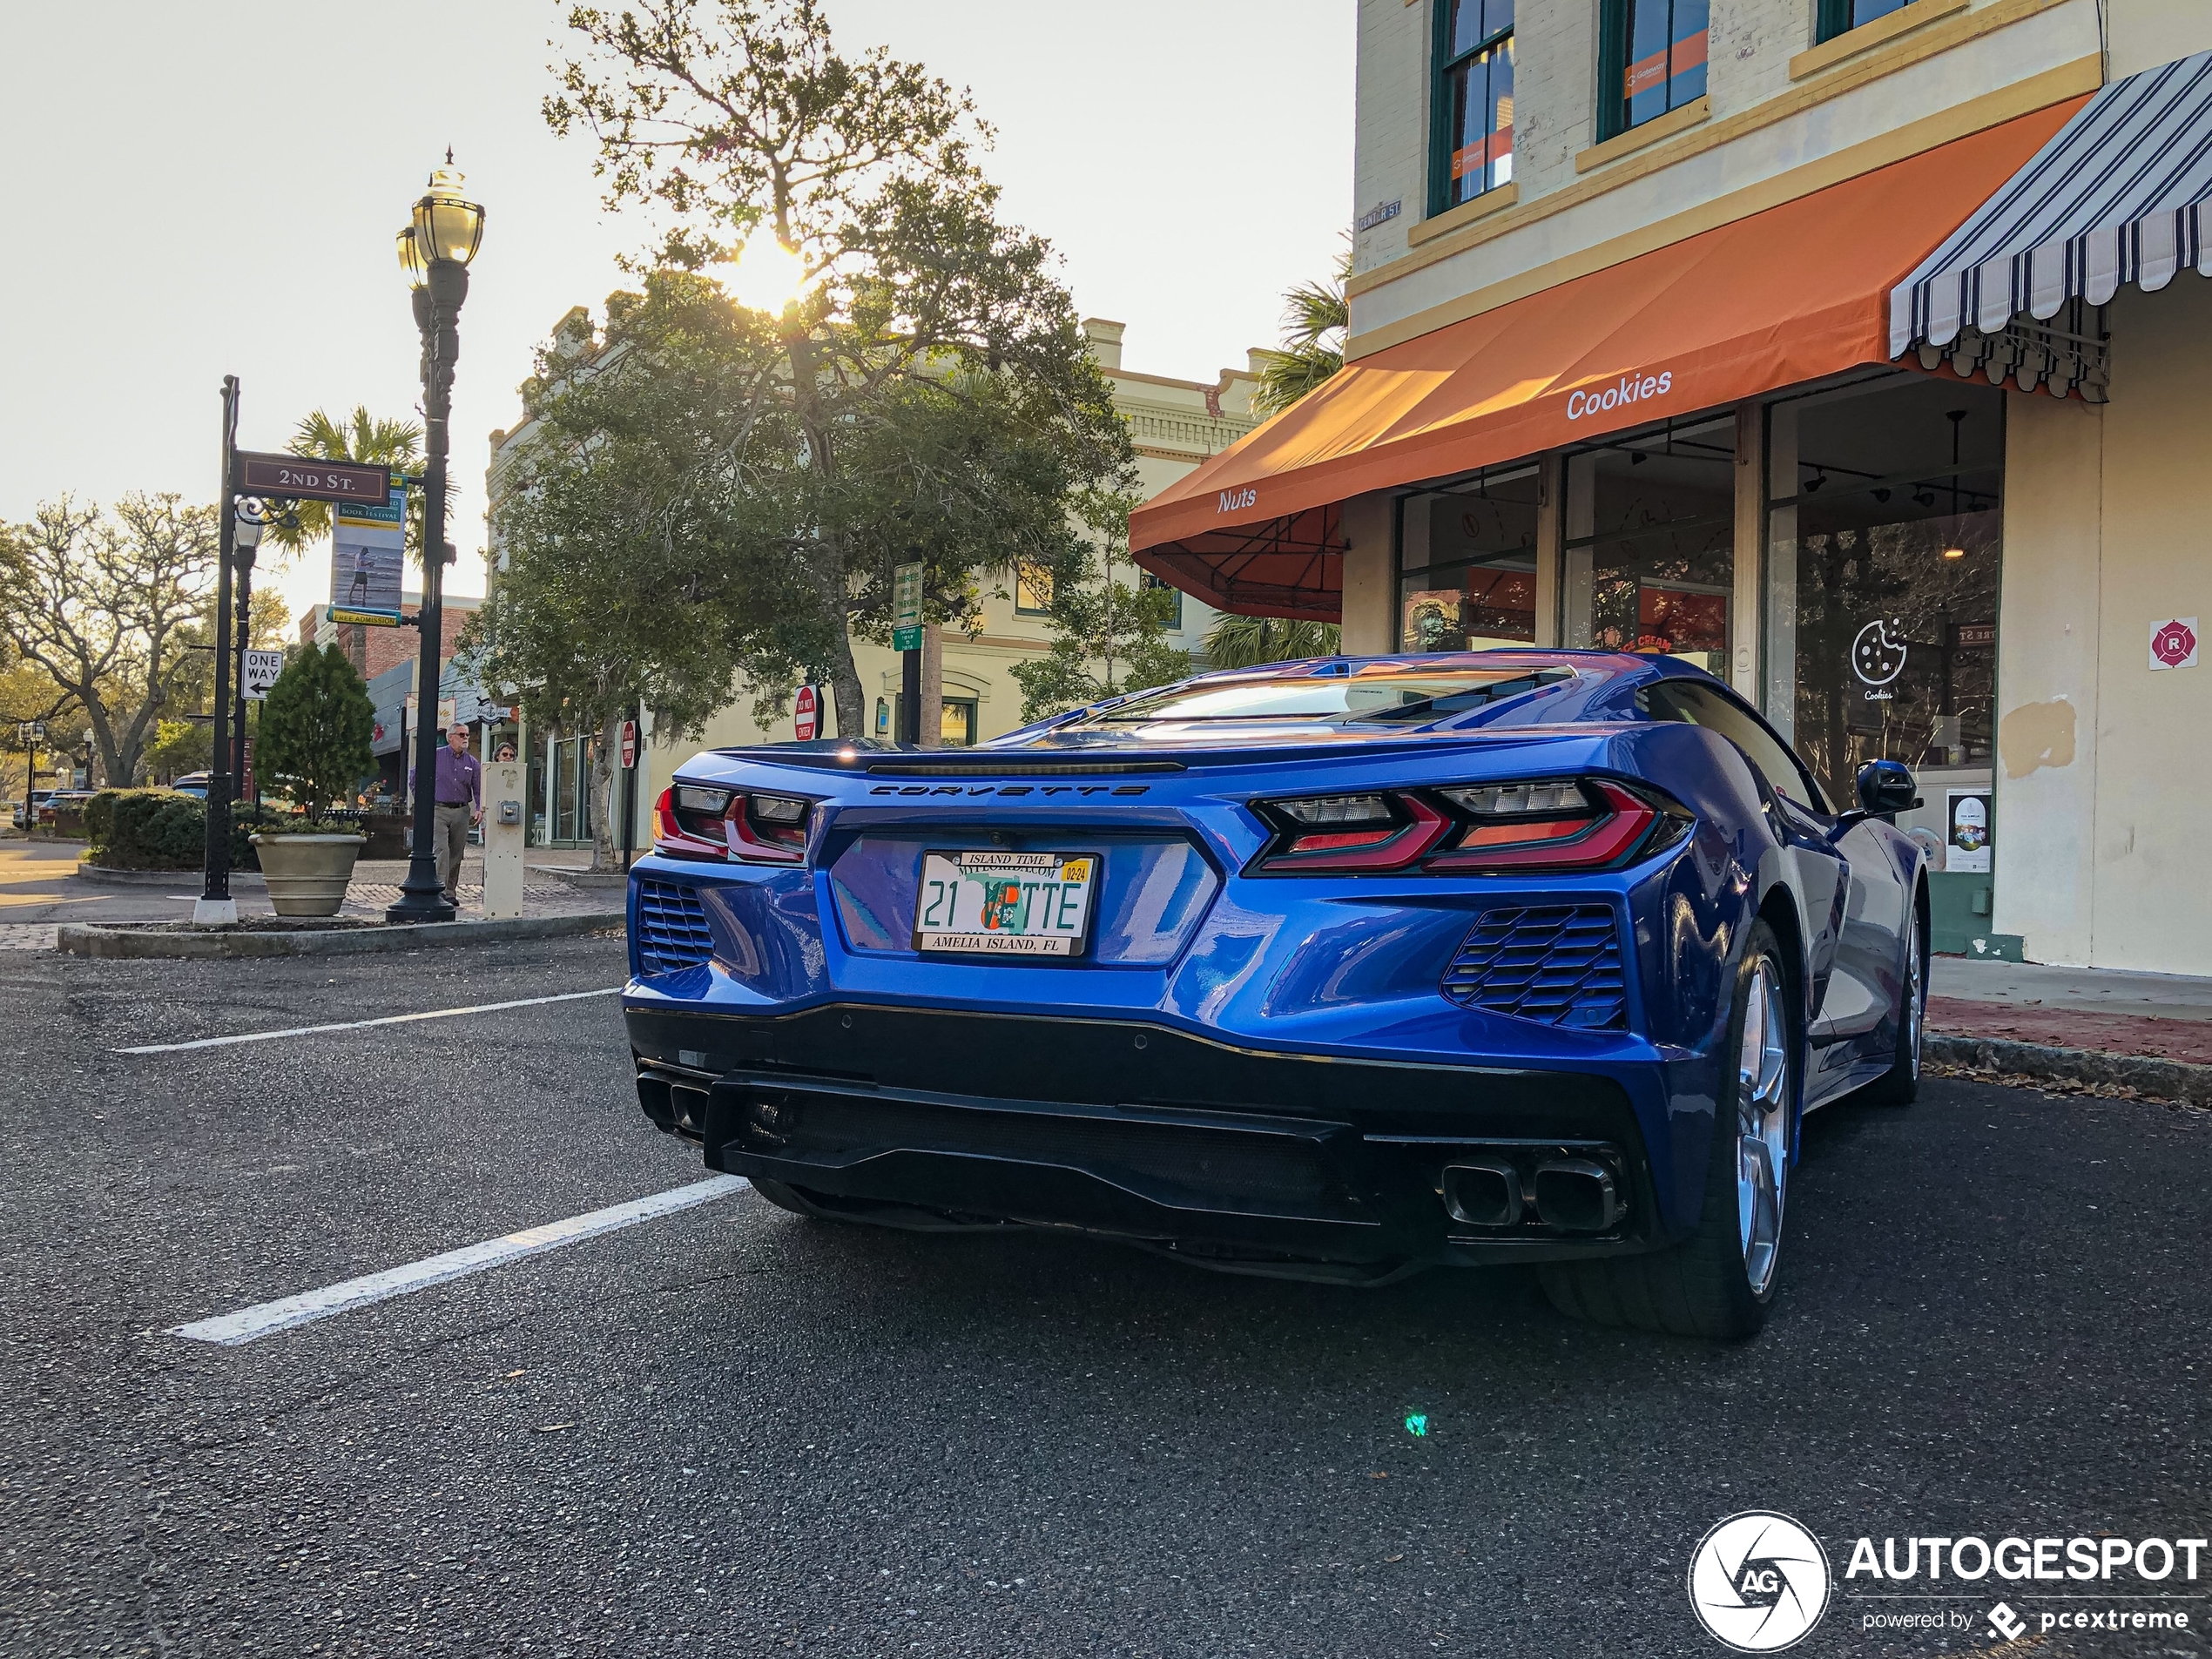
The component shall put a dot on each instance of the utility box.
(503, 832)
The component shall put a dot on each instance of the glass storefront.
(1885, 538)
(1469, 563)
(1649, 548)
(571, 760)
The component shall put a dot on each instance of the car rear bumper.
(1236, 1156)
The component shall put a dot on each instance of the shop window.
(1651, 58)
(1471, 106)
(1032, 591)
(1884, 539)
(1841, 17)
(1467, 564)
(956, 722)
(1649, 547)
(1153, 584)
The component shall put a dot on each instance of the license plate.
(1005, 904)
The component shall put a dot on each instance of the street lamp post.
(435, 251)
(215, 905)
(245, 536)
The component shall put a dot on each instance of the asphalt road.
(730, 1431)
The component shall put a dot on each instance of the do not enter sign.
(629, 744)
(806, 714)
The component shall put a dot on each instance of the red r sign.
(806, 714)
(629, 744)
(2173, 643)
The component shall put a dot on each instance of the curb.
(250, 880)
(586, 880)
(91, 939)
(2164, 1079)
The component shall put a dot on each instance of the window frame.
(1832, 19)
(1613, 18)
(1023, 579)
(1443, 61)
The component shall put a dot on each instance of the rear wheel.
(783, 1198)
(1720, 1281)
(1900, 1084)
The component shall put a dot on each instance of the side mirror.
(1886, 788)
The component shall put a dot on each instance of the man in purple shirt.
(460, 802)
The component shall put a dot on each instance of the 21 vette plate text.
(1004, 904)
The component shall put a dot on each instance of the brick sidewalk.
(2189, 1040)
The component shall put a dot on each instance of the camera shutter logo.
(1758, 1581)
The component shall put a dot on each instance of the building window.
(1152, 583)
(956, 728)
(1884, 535)
(1032, 591)
(1467, 564)
(1841, 17)
(1649, 550)
(1651, 58)
(1472, 105)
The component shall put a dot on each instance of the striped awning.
(2122, 193)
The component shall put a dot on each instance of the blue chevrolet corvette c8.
(1335, 969)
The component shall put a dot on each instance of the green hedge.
(161, 829)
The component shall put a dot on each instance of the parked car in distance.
(1336, 968)
(64, 809)
(192, 783)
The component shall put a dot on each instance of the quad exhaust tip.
(1566, 1195)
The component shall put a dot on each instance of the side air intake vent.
(1557, 963)
(671, 927)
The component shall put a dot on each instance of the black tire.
(1900, 1084)
(1703, 1286)
(783, 1198)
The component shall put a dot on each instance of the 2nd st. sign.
(291, 477)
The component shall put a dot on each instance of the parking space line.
(231, 1329)
(357, 1025)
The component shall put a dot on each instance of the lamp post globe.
(441, 237)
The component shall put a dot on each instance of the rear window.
(1377, 699)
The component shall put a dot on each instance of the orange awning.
(1786, 295)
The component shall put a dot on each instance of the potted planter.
(315, 733)
(307, 875)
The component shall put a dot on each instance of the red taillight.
(1404, 828)
(694, 821)
(1573, 824)
(1585, 841)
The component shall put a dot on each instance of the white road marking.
(250, 1324)
(357, 1025)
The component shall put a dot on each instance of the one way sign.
(260, 672)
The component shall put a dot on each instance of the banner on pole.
(368, 561)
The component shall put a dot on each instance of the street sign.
(261, 670)
(629, 744)
(297, 478)
(806, 714)
(906, 608)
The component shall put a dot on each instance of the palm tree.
(1315, 315)
(363, 437)
(1250, 641)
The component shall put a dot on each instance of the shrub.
(316, 729)
(146, 829)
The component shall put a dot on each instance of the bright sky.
(203, 190)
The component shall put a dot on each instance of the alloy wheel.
(1763, 1125)
(1915, 1002)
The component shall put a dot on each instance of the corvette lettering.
(1630, 389)
(1005, 791)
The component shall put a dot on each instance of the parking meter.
(504, 838)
